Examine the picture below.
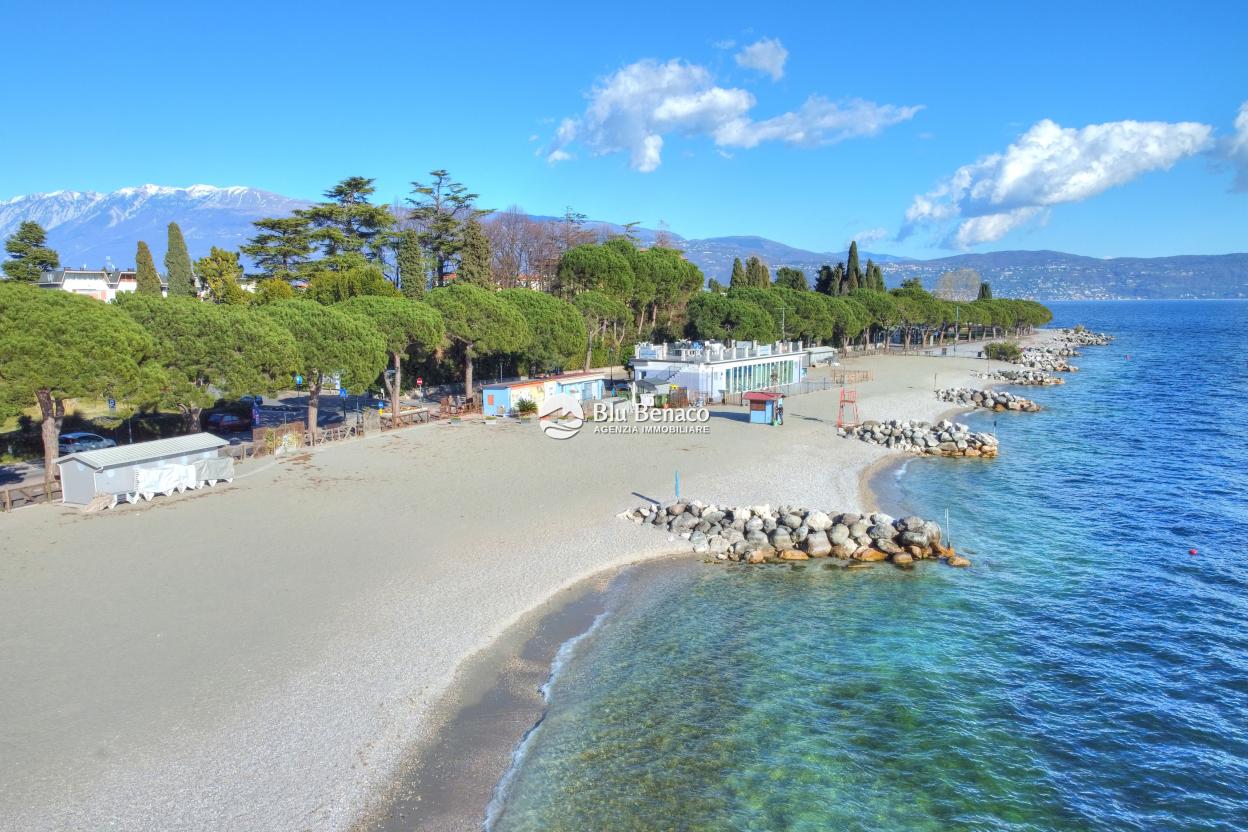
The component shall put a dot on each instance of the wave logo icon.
(561, 416)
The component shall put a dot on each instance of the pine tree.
(474, 254)
(413, 270)
(29, 254)
(852, 271)
(826, 282)
(147, 279)
(281, 246)
(178, 264)
(757, 273)
(349, 229)
(440, 210)
(737, 280)
(985, 291)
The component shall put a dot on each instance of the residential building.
(104, 283)
(501, 399)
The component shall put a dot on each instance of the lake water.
(1087, 673)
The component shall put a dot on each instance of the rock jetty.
(997, 400)
(1049, 359)
(1035, 378)
(761, 534)
(1084, 337)
(945, 438)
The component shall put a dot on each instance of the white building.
(102, 284)
(711, 370)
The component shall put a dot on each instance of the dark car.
(226, 422)
(78, 441)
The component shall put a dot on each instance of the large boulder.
(753, 524)
(793, 554)
(818, 521)
(817, 544)
(781, 539)
(839, 534)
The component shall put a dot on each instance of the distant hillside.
(88, 227)
(1052, 275)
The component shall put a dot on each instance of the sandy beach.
(263, 656)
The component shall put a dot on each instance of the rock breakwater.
(761, 534)
(945, 438)
(996, 400)
(1084, 337)
(1034, 378)
(1049, 359)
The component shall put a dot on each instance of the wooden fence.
(28, 495)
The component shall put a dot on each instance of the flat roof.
(761, 396)
(581, 376)
(145, 451)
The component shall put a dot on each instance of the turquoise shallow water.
(1086, 674)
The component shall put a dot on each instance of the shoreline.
(406, 602)
(481, 722)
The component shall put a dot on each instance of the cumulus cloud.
(767, 56)
(1050, 165)
(634, 108)
(868, 236)
(1236, 150)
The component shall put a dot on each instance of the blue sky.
(859, 128)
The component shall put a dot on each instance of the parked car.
(222, 421)
(78, 441)
(251, 401)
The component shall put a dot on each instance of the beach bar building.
(501, 399)
(713, 370)
(144, 468)
(764, 407)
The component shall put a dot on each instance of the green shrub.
(1004, 351)
(526, 407)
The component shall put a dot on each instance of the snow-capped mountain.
(87, 227)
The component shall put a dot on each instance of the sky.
(920, 129)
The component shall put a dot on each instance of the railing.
(28, 495)
(837, 379)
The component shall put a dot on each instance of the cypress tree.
(178, 264)
(877, 280)
(411, 262)
(838, 279)
(147, 279)
(474, 254)
(852, 271)
(985, 291)
(29, 254)
(738, 275)
(757, 273)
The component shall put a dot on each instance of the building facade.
(102, 284)
(712, 370)
(501, 399)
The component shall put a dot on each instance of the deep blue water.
(1087, 673)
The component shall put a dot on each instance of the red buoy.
(1191, 551)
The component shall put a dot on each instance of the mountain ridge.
(91, 228)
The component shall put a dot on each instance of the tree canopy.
(221, 273)
(210, 350)
(350, 230)
(478, 323)
(336, 286)
(404, 325)
(281, 246)
(29, 255)
(557, 328)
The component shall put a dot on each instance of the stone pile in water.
(1034, 378)
(1085, 338)
(945, 438)
(1050, 359)
(760, 534)
(997, 400)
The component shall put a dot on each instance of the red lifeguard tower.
(848, 408)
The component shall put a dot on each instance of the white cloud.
(634, 108)
(724, 44)
(868, 236)
(767, 56)
(1236, 149)
(1050, 165)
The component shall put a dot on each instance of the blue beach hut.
(765, 408)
